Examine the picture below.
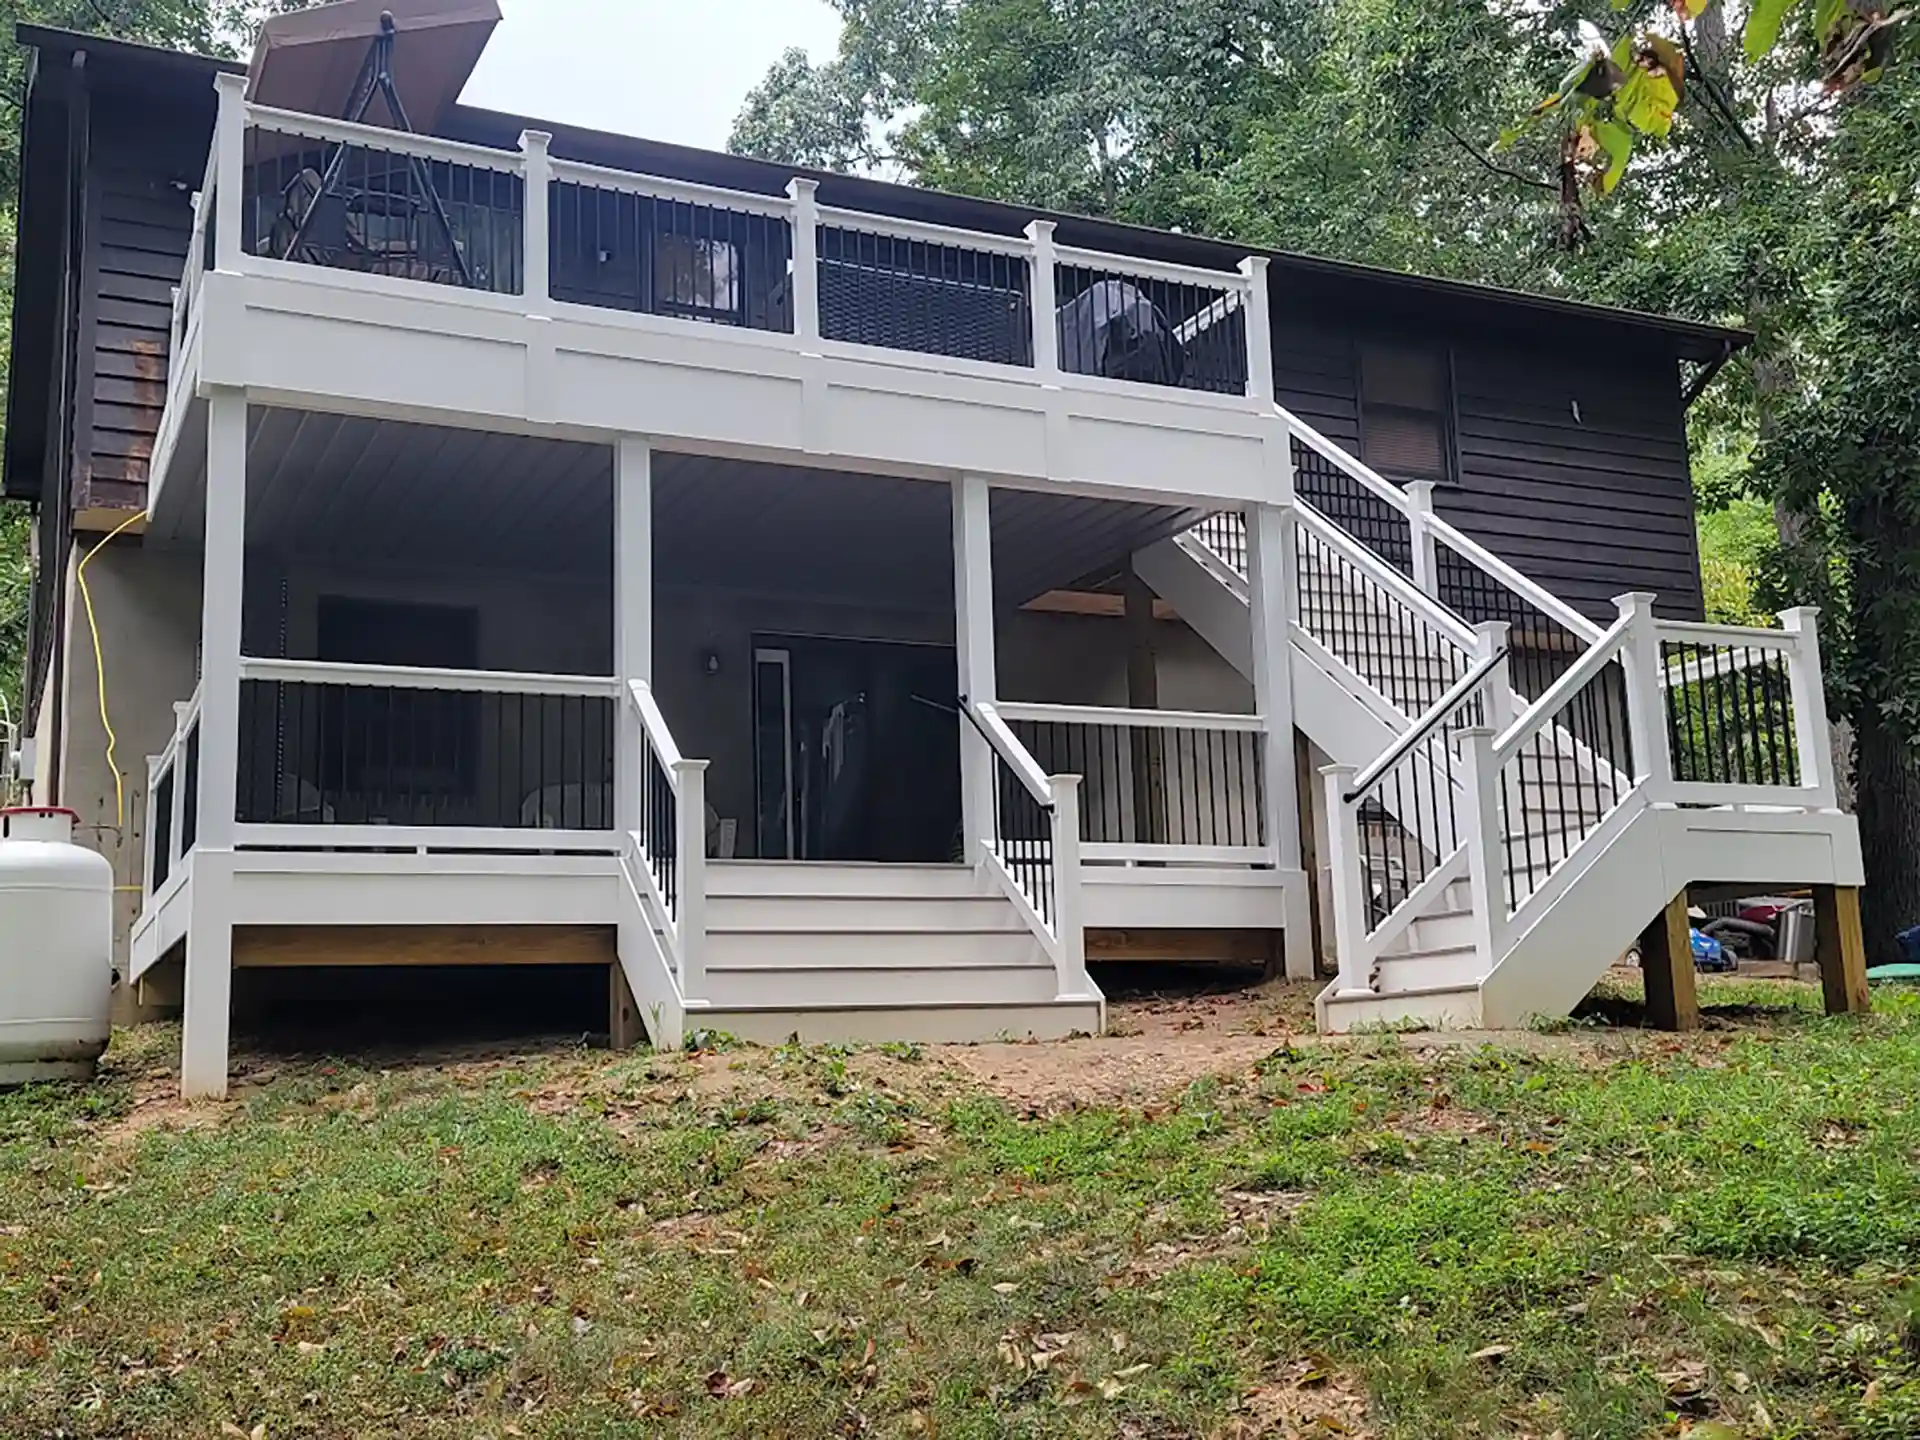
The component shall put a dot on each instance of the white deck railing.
(288, 192)
(387, 757)
(1164, 787)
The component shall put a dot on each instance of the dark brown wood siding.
(140, 218)
(1574, 471)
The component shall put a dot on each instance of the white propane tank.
(56, 948)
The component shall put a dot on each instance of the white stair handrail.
(671, 856)
(1467, 548)
(1044, 885)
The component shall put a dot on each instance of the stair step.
(875, 985)
(769, 950)
(1441, 1007)
(852, 914)
(929, 1024)
(1446, 966)
(819, 878)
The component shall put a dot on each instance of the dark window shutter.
(1403, 399)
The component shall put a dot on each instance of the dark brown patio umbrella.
(310, 60)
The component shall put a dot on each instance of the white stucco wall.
(147, 604)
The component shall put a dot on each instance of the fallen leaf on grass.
(1492, 1352)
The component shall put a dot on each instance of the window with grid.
(1403, 412)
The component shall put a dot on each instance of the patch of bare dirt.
(1156, 1045)
(1308, 1398)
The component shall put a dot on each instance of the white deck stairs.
(875, 952)
(1493, 853)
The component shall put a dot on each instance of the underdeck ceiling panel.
(384, 492)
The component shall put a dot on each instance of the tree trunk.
(1886, 759)
(1889, 792)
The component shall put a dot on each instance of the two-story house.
(829, 605)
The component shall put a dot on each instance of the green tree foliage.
(1727, 162)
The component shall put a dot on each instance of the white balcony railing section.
(1163, 787)
(524, 230)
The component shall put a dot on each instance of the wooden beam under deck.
(292, 946)
(1218, 947)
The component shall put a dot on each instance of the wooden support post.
(624, 1027)
(1305, 789)
(1840, 946)
(1666, 965)
(1147, 748)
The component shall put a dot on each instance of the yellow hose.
(100, 667)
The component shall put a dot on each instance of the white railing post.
(1259, 331)
(1426, 561)
(1046, 324)
(974, 650)
(1070, 956)
(690, 852)
(1646, 698)
(1480, 832)
(1271, 591)
(536, 170)
(230, 163)
(176, 822)
(1812, 735)
(806, 259)
(154, 764)
(1490, 639)
(632, 620)
(1348, 878)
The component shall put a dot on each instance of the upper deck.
(340, 266)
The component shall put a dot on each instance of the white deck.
(1334, 641)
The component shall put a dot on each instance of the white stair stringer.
(645, 964)
(1590, 911)
(853, 953)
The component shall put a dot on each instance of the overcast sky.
(665, 69)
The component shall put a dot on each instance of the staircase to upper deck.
(1516, 791)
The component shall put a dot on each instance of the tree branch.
(1500, 170)
(1713, 90)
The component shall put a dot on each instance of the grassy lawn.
(1588, 1234)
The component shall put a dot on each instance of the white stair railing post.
(1426, 562)
(1481, 833)
(1812, 734)
(536, 247)
(1040, 288)
(1349, 880)
(806, 260)
(1259, 329)
(1070, 956)
(1646, 698)
(230, 165)
(690, 853)
(1491, 638)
